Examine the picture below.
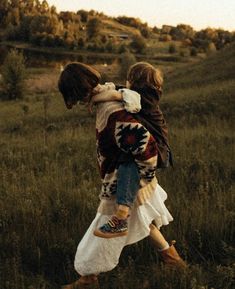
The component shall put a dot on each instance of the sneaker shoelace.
(113, 225)
(114, 221)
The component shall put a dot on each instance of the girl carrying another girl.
(124, 148)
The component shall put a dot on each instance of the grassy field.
(49, 186)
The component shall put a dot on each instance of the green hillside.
(113, 27)
(219, 66)
(203, 89)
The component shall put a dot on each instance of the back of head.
(77, 81)
(143, 75)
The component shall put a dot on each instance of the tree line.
(39, 23)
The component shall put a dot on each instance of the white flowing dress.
(95, 255)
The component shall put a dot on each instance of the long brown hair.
(77, 81)
(144, 75)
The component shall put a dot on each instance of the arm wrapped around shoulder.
(109, 86)
(131, 100)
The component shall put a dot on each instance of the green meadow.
(49, 185)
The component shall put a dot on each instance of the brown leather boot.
(84, 282)
(171, 257)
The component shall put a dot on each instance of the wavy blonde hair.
(143, 74)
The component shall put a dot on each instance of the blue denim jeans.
(127, 183)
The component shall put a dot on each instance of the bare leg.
(158, 239)
(168, 253)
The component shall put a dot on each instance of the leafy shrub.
(122, 48)
(172, 48)
(127, 59)
(138, 43)
(11, 32)
(93, 27)
(129, 21)
(165, 37)
(145, 32)
(13, 75)
(3, 53)
(182, 53)
(193, 51)
(109, 46)
(211, 48)
(81, 43)
(83, 15)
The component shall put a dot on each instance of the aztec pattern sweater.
(117, 131)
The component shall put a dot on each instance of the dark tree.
(127, 59)
(83, 15)
(93, 27)
(138, 43)
(44, 23)
(172, 48)
(13, 74)
(3, 10)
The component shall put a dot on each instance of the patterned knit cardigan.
(117, 132)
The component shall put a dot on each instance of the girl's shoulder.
(131, 100)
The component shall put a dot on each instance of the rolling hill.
(203, 89)
(218, 67)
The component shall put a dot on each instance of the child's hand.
(104, 87)
(109, 85)
(98, 89)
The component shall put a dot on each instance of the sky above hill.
(197, 13)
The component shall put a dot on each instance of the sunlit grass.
(49, 195)
(49, 187)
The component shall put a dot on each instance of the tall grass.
(49, 193)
